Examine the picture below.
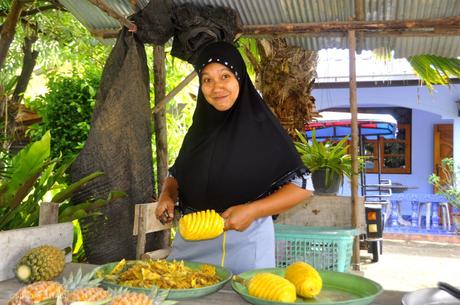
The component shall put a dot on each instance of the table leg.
(394, 213)
(414, 215)
(435, 216)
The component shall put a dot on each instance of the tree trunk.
(9, 29)
(28, 64)
(285, 76)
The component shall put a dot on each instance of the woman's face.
(219, 86)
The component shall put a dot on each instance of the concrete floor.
(413, 265)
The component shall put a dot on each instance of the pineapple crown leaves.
(81, 281)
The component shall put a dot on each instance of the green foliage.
(66, 110)
(32, 177)
(326, 155)
(434, 69)
(63, 44)
(448, 185)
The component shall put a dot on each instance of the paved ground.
(413, 265)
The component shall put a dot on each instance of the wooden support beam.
(343, 26)
(159, 117)
(49, 213)
(114, 14)
(359, 16)
(175, 91)
(354, 145)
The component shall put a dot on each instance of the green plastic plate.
(338, 288)
(174, 294)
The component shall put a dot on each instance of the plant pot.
(318, 178)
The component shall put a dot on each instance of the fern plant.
(332, 157)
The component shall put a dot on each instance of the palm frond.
(435, 70)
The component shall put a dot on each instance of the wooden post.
(141, 230)
(354, 145)
(160, 105)
(159, 118)
(49, 212)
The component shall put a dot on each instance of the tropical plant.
(445, 182)
(332, 157)
(284, 75)
(66, 111)
(31, 178)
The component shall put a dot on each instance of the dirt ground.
(413, 265)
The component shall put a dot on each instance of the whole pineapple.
(74, 289)
(40, 264)
(36, 292)
(131, 298)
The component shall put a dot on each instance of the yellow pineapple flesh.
(306, 279)
(131, 298)
(86, 294)
(201, 225)
(36, 292)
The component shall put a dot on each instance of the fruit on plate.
(201, 225)
(36, 292)
(271, 287)
(73, 289)
(40, 264)
(306, 279)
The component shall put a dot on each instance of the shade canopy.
(336, 125)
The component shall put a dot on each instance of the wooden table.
(225, 296)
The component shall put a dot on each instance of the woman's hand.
(239, 217)
(167, 200)
(165, 210)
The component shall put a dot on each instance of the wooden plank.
(344, 26)
(49, 213)
(152, 224)
(15, 243)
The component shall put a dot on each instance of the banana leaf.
(26, 167)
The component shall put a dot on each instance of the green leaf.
(26, 167)
(65, 194)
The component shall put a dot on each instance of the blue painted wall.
(427, 110)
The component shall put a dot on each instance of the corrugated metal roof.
(257, 12)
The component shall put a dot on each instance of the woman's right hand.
(165, 210)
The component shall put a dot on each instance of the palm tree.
(285, 76)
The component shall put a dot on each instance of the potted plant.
(328, 162)
(445, 183)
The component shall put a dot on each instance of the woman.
(236, 159)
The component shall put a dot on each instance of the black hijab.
(234, 156)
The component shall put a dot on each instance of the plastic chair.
(445, 214)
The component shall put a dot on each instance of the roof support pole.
(354, 145)
(159, 118)
(160, 105)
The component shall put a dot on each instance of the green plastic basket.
(325, 248)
